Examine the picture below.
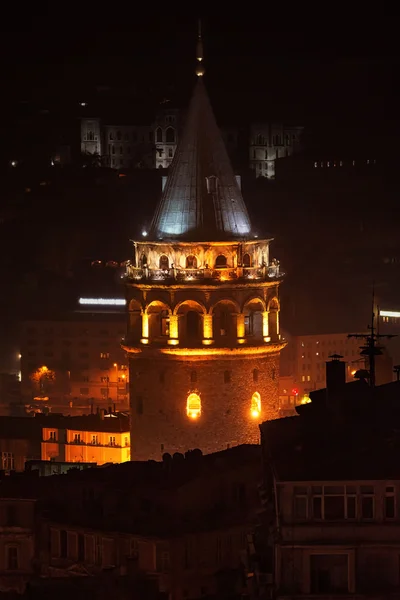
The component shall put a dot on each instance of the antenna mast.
(372, 347)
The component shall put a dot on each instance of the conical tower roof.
(201, 200)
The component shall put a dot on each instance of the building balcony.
(204, 275)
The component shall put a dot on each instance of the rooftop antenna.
(371, 349)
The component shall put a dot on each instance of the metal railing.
(272, 271)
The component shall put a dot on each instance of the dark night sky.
(330, 66)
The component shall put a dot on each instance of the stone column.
(173, 330)
(207, 330)
(240, 328)
(145, 328)
(265, 325)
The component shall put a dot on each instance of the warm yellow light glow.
(255, 409)
(207, 328)
(305, 399)
(145, 327)
(207, 342)
(265, 324)
(353, 372)
(193, 406)
(144, 341)
(115, 365)
(173, 330)
(123, 376)
(240, 327)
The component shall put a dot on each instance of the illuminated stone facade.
(202, 293)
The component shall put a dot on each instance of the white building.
(269, 142)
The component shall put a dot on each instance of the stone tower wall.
(159, 386)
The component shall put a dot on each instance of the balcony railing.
(272, 271)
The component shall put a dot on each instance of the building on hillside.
(330, 494)
(203, 299)
(75, 360)
(269, 142)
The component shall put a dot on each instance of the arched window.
(170, 135)
(255, 408)
(193, 376)
(193, 406)
(159, 135)
(90, 136)
(144, 260)
(191, 262)
(220, 261)
(255, 375)
(227, 376)
(164, 262)
(246, 260)
(260, 139)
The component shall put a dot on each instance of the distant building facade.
(270, 141)
(154, 145)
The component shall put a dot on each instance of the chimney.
(335, 373)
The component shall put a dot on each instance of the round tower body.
(203, 343)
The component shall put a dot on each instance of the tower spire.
(199, 52)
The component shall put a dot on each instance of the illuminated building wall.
(268, 142)
(77, 445)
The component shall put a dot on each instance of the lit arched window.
(159, 135)
(170, 135)
(164, 262)
(191, 262)
(255, 375)
(246, 260)
(193, 406)
(220, 261)
(255, 408)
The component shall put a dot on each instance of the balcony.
(205, 275)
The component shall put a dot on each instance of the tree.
(42, 378)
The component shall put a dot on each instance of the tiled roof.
(193, 206)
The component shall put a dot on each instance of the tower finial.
(199, 52)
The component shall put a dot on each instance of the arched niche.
(190, 322)
(163, 262)
(191, 262)
(246, 260)
(159, 135)
(224, 321)
(255, 405)
(170, 135)
(193, 406)
(253, 318)
(221, 261)
(158, 315)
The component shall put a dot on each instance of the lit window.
(255, 405)
(303, 378)
(308, 377)
(193, 406)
